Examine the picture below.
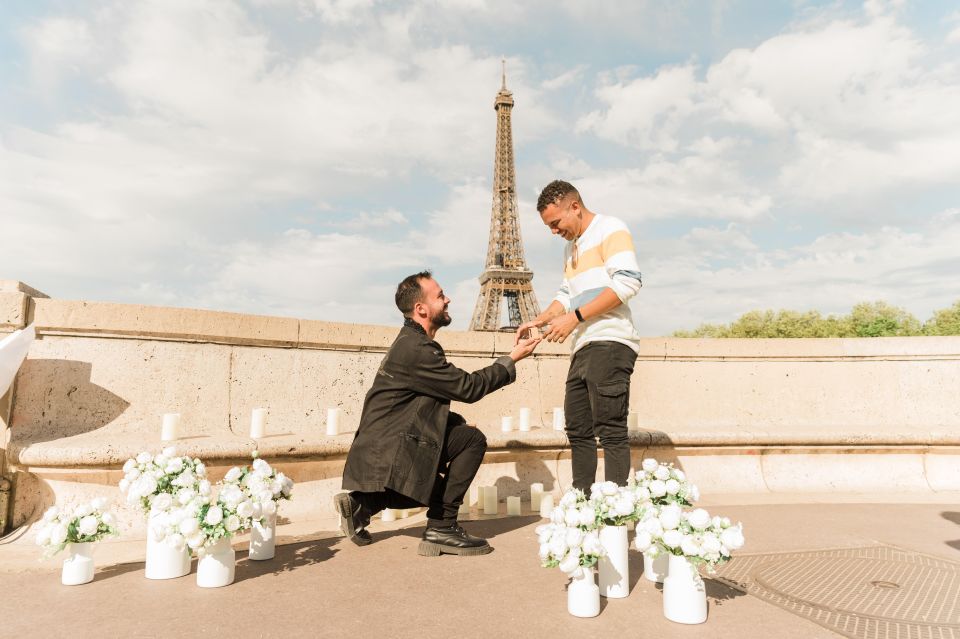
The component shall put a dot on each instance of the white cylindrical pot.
(78, 567)
(583, 596)
(263, 539)
(217, 566)
(614, 566)
(655, 568)
(684, 595)
(163, 560)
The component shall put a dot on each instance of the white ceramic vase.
(614, 566)
(217, 566)
(263, 539)
(163, 560)
(583, 595)
(78, 567)
(684, 595)
(655, 568)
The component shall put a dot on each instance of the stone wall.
(745, 415)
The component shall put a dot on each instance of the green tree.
(879, 319)
(944, 322)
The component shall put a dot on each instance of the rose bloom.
(649, 464)
(672, 538)
(88, 525)
(699, 518)
(233, 522)
(732, 538)
(232, 475)
(570, 563)
(662, 473)
(643, 540)
(670, 518)
(108, 519)
(189, 526)
(214, 516)
(672, 486)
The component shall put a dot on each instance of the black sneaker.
(452, 540)
(352, 523)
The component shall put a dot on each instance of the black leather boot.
(452, 540)
(354, 519)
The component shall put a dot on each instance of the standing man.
(600, 276)
(410, 450)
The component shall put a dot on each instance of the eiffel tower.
(505, 275)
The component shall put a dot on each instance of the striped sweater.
(605, 260)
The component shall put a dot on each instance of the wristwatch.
(576, 312)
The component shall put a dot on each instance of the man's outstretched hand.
(523, 348)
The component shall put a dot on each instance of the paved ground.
(321, 585)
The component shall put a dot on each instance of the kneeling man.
(410, 450)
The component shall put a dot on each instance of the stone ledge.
(85, 451)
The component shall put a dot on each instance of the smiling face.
(564, 218)
(433, 304)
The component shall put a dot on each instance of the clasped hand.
(557, 330)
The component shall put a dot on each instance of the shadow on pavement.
(953, 517)
(287, 558)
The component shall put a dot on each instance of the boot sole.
(430, 549)
(341, 502)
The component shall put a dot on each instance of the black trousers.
(460, 458)
(596, 406)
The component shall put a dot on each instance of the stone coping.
(134, 321)
(86, 451)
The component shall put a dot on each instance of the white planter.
(614, 566)
(583, 595)
(684, 595)
(655, 568)
(263, 539)
(78, 567)
(217, 566)
(163, 560)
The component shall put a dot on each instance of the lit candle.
(388, 514)
(536, 492)
(258, 423)
(546, 505)
(168, 430)
(506, 423)
(464, 509)
(333, 421)
(490, 500)
(633, 420)
(524, 419)
(558, 419)
(513, 506)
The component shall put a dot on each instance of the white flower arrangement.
(146, 477)
(262, 484)
(616, 505)
(662, 484)
(231, 513)
(694, 534)
(89, 522)
(571, 541)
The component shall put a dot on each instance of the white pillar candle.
(513, 506)
(388, 514)
(536, 492)
(258, 423)
(633, 420)
(506, 423)
(464, 509)
(333, 421)
(559, 421)
(546, 505)
(168, 430)
(490, 500)
(475, 496)
(524, 419)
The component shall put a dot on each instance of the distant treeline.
(869, 319)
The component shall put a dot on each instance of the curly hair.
(554, 192)
(409, 291)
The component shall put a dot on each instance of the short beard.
(441, 320)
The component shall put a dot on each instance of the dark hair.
(554, 192)
(409, 291)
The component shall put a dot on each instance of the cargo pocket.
(612, 400)
(416, 460)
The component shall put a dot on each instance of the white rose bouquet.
(616, 505)
(89, 522)
(570, 541)
(694, 534)
(147, 476)
(262, 485)
(662, 483)
(231, 513)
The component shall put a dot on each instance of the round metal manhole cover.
(882, 589)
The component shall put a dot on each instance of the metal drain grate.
(865, 593)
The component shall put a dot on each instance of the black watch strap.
(576, 312)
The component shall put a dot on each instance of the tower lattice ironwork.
(505, 276)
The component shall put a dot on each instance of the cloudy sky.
(299, 157)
